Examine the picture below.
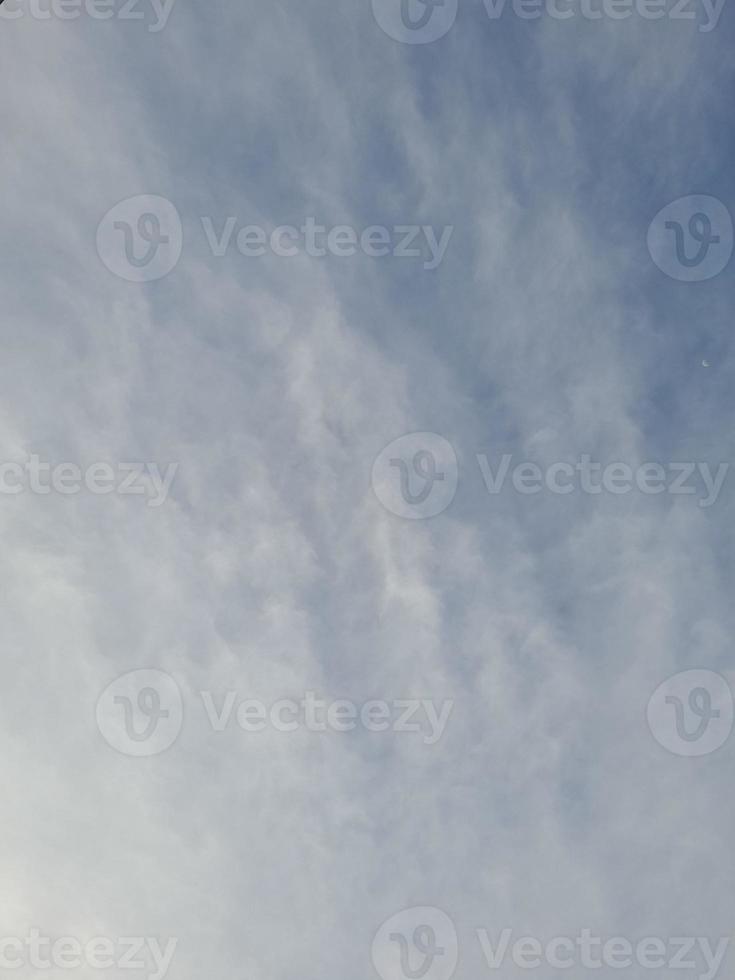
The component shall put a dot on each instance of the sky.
(284, 482)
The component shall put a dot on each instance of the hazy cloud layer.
(272, 569)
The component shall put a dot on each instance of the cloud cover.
(273, 569)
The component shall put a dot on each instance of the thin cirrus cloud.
(546, 332)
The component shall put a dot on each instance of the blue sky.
(546, 332)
